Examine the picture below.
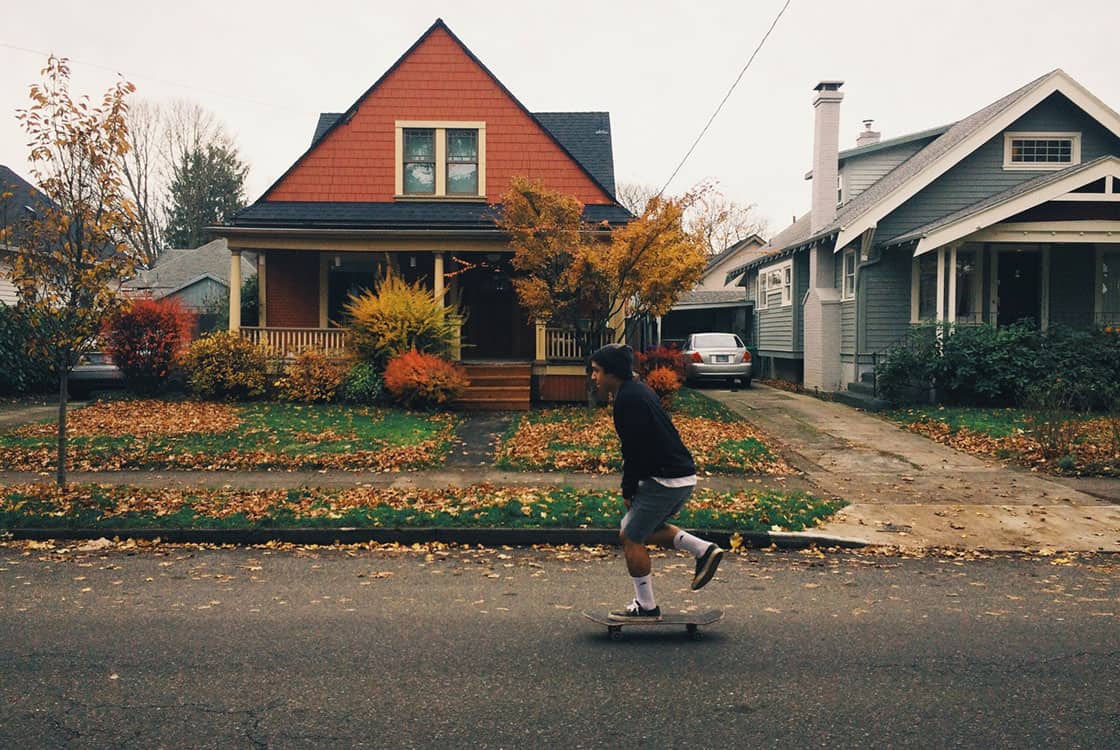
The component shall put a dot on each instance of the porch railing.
(562, 344)
(288, 342)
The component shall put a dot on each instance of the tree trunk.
(63, 376)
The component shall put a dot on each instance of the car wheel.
(747, 383)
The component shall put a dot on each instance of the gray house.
(1011, 213)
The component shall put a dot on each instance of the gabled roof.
(714, 298)
(965, 136)
(988, 211)
(352, 110)
(890, 143)
(25, 201)
(175, 269)
(734, 249)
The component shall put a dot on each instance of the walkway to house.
(907, 490)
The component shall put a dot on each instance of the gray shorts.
(652, 505)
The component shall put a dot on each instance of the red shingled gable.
(437, 80)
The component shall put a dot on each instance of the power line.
(165, 82)
(725, 98)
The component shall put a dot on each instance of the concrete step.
(517, 392)
(492, 404)
(860, 400)
(863, 388)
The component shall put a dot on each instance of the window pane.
(462, 145)
(462, 179)
(419, 178)
(716, 341)
(1042, 150)
(927, 286)
(419, 144)
(966, 275)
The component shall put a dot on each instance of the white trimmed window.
(440, 159)
(775, 285)
(1041, 151)
(848, 280)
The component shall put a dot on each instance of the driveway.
(910, 491)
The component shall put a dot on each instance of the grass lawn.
(575, 439)
(1058, 443)
(159, 434)
(104, 507)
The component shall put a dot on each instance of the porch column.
(234, 290)
(541, 341)
(952, 271)
(941, 285)
(262, 290)
(437, 281)
(457, 340)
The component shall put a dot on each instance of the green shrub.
(395, 318)
(21, 369)
(419, 380)
(907, 371)
(223, 365)
(363, 384)
(311, 377)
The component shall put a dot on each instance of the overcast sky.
(659, 67)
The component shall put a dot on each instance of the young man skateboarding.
(658, 476)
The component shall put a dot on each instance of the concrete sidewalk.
(906, 490)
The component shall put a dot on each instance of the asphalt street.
(284, 647)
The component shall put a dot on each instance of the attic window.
(440, 160)
(1041, 151)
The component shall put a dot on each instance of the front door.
(1020, 287)
(496, 326)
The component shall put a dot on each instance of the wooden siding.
(438, 81)
(981, 174)
(860, 172)
(562, 387)
(775, 329)
(885, 301)
(202, 294)
(848, 327)
(800, 287)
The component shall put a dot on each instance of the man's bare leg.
(637, 556)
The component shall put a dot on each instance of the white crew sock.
(643, 591)
(694, 544)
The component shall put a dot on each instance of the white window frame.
(1036, 166)
(440, 127)
(845, 292)
(785, 287)
(760, 290)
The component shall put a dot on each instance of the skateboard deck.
(690, 620)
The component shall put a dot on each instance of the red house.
(405, 179)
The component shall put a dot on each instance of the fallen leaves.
(141, 418)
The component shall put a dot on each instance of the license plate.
(722, 358)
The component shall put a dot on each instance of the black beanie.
(616, 359)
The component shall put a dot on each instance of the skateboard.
(691, 621)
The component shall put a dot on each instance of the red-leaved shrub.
(419, 380)
(665, 383)
(147, 339)
(662, 356)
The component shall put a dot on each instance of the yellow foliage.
(397, 317)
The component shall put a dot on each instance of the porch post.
(941, 285)
(1044, 314)
(324, 276)
(952, 311)
(234, 290)
(437, 281)
(262, 287)
(541, 341)
(457, 340)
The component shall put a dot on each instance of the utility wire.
(725, 98)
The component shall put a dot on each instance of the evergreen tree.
(207, 185)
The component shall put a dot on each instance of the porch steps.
(861, 396)
(496, 387)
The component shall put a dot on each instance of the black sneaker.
(635, 611)
(706, 566)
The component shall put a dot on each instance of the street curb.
(491, 537)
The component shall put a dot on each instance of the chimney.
(826, 152)
(868, 136)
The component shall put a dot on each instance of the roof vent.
(868, 137)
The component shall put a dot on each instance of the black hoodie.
(651, 445)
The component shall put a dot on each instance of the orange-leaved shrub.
(312, 376)
(657, 357)
(664, 382)
(223, 365)
(147, 339)
(420, 380)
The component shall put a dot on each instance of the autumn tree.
(589, 277)
(71, 255)
(708, 213)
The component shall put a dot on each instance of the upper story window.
(1041, 151)
(775, 286)
(848, 288)
(441, 159)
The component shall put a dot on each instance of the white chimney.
(826, 152)
(868, 136)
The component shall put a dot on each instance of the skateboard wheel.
(615, 634)
(694, 633)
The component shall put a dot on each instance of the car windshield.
(716, 341)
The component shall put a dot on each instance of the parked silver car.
(716, 356)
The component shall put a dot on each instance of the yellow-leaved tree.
(71, 255)
(584, 276)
